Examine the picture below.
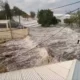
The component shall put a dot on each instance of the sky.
(35, 5)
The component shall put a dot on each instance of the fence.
(7, 34)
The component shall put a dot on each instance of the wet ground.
(42, 46)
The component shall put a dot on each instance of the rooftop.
(68, 70)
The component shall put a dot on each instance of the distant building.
(62, 17)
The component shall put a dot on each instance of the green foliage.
(46, 18)
(32, 14)
(68, 21)
(54, 20)
(18, 12)
(2, 15)
(7, 11)
(78, 18)
(74, 19)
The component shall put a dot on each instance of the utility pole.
(10, 29)
(19, 16)
(8, 17)
(19, 19)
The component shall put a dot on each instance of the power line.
(52, 35)
(67, 5)
(72, 11)
(59, 30)
(47, 39)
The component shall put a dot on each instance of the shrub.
(68, 21)
(46, 18)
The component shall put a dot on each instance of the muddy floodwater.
(42, 46)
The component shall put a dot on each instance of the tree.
(74, 19)
(32, 14)
(2, 15)
(1, 4)
(2, 10)
(46, 18)
(18, 12)
(25, 16)
(7, 10)
(68, 21)
(78, 18)
(54, 20)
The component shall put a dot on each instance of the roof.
(74, 73)
(68, 70)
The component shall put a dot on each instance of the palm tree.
(4, 6)
(7, 11)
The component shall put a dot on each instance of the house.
(68, 70)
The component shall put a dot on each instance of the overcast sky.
(35, 5)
